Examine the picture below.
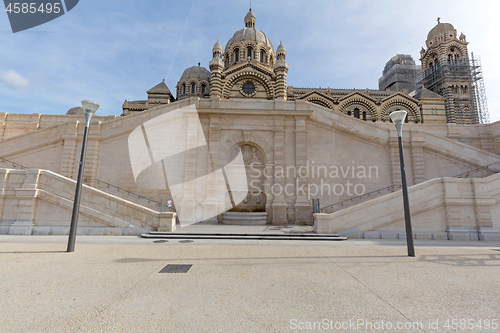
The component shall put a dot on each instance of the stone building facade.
(299, 143)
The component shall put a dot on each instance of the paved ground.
(113, 284)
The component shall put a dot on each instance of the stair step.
(309, 237)
(242, 234)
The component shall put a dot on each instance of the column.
(394, 154)
(302, 206)
(211, 204)
(188, 203)
(279, 204)
(93, 148)
(417, 156)
(69, 149)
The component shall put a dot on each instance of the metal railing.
(398, 186)
(468, 173)
(389, 188)
(14, 164)
(142, 199)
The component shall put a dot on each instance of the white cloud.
(14, 79)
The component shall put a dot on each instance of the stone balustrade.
(38, 202)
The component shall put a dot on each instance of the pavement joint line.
(368, 288)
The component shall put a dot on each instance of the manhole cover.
(185, 241)
(176, 268)
(161, 241)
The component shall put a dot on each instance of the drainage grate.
(186, 241)
(176, 269)
(161, 241)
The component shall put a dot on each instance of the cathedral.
(291, 145)
(248, 67)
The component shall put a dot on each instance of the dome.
(250, 16)
(76, 111)
(195, 72)
(249, 33)
(195, 81)
(280, 48)
(217, 46)
(441, 28)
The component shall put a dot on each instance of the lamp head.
(89, 108)
(398, 118)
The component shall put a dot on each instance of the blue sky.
(109, 51)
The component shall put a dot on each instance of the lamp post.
(89, 108)
(398, 118)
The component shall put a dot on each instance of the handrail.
(124, 190)
(14, 164)
(475, 170)
(361, 196)
(467, 173)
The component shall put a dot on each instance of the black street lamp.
(89, 108)
(398, 118)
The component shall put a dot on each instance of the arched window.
(364, 115)
(192, 88)
(450, 58)
(262, 56)
(203, 88)
(236, 55)
(249, 53)
(348, 113)
(465, 89)
(183, 88)
(356, 113)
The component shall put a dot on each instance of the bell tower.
(281, 69)
(448, 71)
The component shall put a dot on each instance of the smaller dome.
(250, 19)
(196, 72)
(217, 46)
(280, 48)
(76, 111)
(440, 29)
(250, 16)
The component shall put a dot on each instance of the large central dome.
(249, 33)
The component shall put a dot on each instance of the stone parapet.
(443, 208)
(43, 201)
